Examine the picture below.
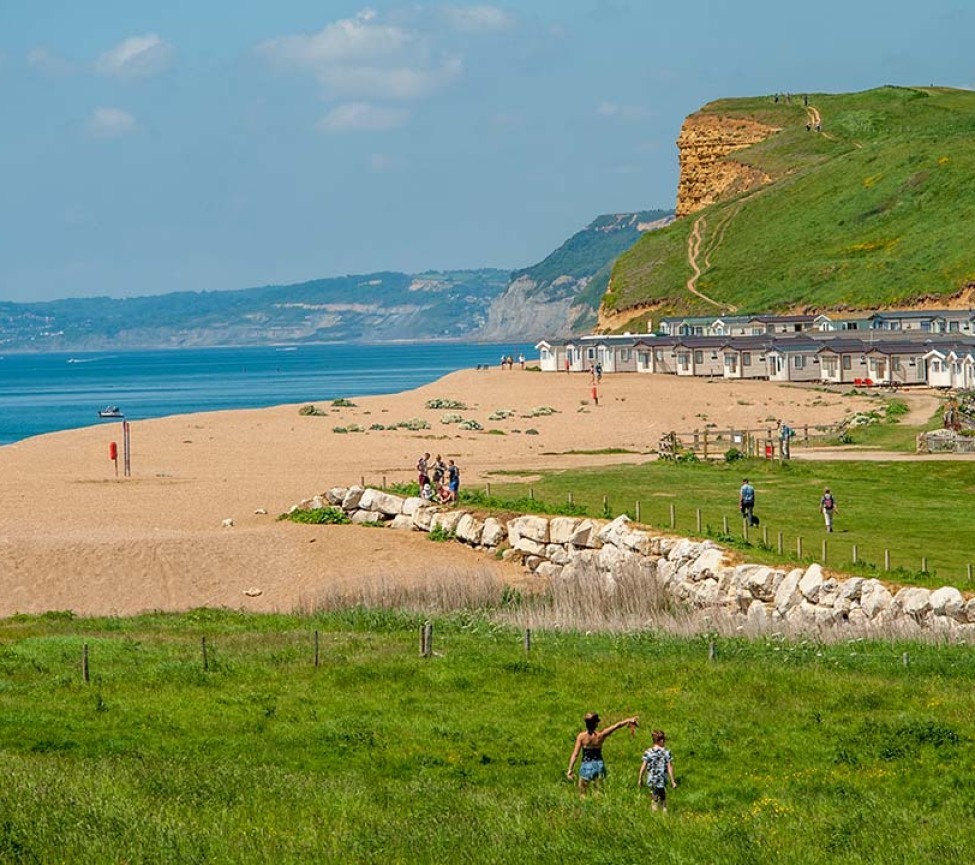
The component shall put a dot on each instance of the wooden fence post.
(362, 481)
(765, 536)
(824, 550)
(487, 488)
(570, 497)
(638, 510)
(528, 640)
(855, 554)
(427, 639)
(423, 641)
(924, 564)
(316, 648)
(203, 649)
(705, 444)
(531, 493)
(724, 524)
(605, 504)
(384, 481)
(673, 515)
(699, 527)
(744, 530)
(886, 560)
(711, 651)
(84, 664)
(905, 659)
(799, 547)
(781, 548)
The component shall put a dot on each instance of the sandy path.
(74, 537)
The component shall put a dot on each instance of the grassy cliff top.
(874, 210)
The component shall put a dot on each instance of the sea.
(42, 393)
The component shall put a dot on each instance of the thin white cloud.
(110, 123)
(136, 57)
(46, 61)
(478, 19)
(365, 58)
(362, 117)
(623, 112)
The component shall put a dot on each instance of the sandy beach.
(72, 536)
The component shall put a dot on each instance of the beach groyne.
(700, 576)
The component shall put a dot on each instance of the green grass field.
(785, 752)
(873, 212)
(915, 510)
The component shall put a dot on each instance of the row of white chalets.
(698, 576)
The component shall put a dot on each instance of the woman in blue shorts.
(590, 744)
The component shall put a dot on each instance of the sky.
(189, 146)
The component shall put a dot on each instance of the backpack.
(828, 501)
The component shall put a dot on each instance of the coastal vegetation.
(918, 511)
(871, 211)
(785, 751)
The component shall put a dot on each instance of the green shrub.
(440, 534)
(445, 403)
(342, 402)
(732, 455)
(319, 516)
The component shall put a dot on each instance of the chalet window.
(658, 354)
(847, 362)
(684, 360)
(544, 354)
(798, 361)
(895, 364)
(746, 358)
(644, 358)
(624, 354)
(935, 366)
(698, 357)
(591, 353)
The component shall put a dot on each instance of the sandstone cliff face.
(706, 174)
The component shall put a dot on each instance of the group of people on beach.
(746, 505)
(656, 764)
(508, 361)
(439, 481)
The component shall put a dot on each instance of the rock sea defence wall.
(697, 575)
(706, 174)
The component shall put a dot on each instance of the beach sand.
(73, 537)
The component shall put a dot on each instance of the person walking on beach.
(746, 502)
(521, 360)
(657, 766)
(422, 470)
(590, 744)
(827, 507)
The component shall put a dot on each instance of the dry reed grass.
(631, 601)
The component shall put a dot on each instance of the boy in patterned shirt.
(657, 766)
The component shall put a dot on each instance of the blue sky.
(154, 147)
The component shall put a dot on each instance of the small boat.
(111, 411)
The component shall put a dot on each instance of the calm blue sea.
(41, 393)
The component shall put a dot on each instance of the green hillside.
(875, 210)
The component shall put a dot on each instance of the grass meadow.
(785, 751)
(916, 510)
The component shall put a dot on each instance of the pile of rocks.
(696, 574)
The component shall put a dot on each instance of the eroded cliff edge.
(707, 174)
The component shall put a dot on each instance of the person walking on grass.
(657, 766)
(746, 502)
(590, 744)
(827, 507)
